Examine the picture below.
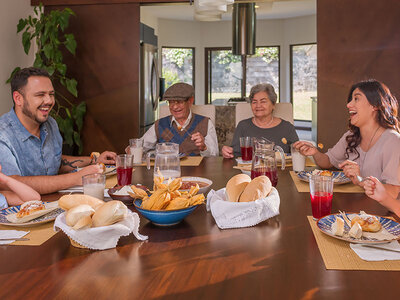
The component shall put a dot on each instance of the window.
(232, 76)
(177, 65)
(303, 79)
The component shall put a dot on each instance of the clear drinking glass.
(246, 148)
(298, 160)
(136, 147)
(321, 193)
(94, 185)
(124, 164)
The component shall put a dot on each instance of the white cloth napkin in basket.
(105, 237)
(241, 214)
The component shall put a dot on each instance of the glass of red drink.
(124, 164)
(321, 192)
(246, 148)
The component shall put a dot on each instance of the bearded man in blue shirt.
(30, 142)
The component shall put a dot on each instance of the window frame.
(207, 70)
(291, 74)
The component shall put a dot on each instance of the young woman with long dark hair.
(371, 147)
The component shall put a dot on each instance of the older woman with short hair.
(263, 123)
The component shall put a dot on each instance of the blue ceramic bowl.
(164, 217)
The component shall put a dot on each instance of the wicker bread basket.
(77, 245)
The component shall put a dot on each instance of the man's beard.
(29, 114)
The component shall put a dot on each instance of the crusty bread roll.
(67, 202)
(109, 213)
(368, 223)
(83, 223)
(236, 185)
(78, 212)
(259, 187)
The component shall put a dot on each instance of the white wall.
(11, 50)
(280, 32)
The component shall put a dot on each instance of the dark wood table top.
(277, 259)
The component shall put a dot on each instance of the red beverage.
(247, 153)
(124, 176)
(272, 174)
(321, 204)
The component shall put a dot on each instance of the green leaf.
(48, 51)
(78, 112)
(12, 74)
(63, 20)
(38, 63)
(21, 25)
(78, 142)
(71, 86)
(70, 43)
(62, 68)
(62, 81)
(68, 113)
(50, 69)
(70, 11)
(26, 41)
(68, 130)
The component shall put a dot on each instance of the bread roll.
(235, 186)
(367, 222)
(67, 202)
(259, 187)
(83, 223)
(109, 213)
(78, 212)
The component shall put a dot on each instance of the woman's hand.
(351, 169)
(227, 152)
(375, 190)
(305, 148)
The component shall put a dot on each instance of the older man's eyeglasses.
(176, 102)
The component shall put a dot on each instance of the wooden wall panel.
(106, 67)
(357, 40)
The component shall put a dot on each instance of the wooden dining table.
(276, 259)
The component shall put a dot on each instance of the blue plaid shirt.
(24, 154)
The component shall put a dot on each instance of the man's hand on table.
(107, 158)
(91, 169)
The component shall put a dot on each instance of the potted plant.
(48, 32)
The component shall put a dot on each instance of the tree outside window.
(303, 79)
(177, 65)
(228, 73)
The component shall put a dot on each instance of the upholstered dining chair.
(204, 110)
(282, 110)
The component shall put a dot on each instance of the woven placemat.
(37, 234)
(337, 254)
(303, 187)
(187, 161)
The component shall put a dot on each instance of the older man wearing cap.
(195, 134)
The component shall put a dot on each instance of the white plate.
(51, 216)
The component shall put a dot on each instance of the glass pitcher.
(264, 160)
(166, 160)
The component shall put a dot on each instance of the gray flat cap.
(179, 91)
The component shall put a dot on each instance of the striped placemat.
(337, 254)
